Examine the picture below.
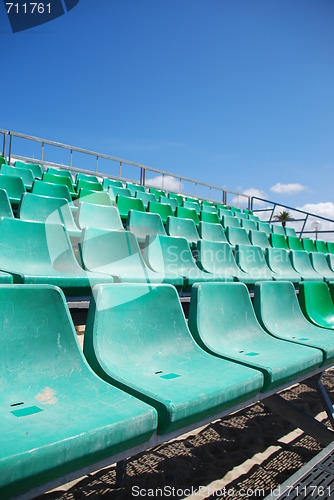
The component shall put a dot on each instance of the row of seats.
(154, 373)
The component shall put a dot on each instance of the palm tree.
(283, 216)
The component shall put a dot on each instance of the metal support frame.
(120, 473)
(316, 383)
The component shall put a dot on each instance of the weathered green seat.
(53, 190)
(137, 338)
(252, 261)
(193, 205)
(235, 210)
(98, 216)
(86, 177)
(170, 201)
(163, 209)
(193, 199)
(177, 197)
(133, 188)
(290, 231)
(14, 187)
(209, 203)
(114, 191)
(277, 309)
(37, 253)
(184, 228)
(3, 161)
(111, 182)
(210, 217)
(89, 185)
(320, 264)
(173, 255)
(248, 225)
(25, 174)
(145, 198)
(95, 197)
(302, 264)
(223, 322)
(209, 208)
(142, 224)
(125, 204)
(330, 246)
(230, 221)
(239, 215)
(294, 243)
(254, 218)
(264, 226)
(278, 260)
(34, 167)
(5, 206)
(278, 229)
(278, 241)
(222, 211)
(309, 245)
(237, 236)
(34, 207)
(217, 258)
(321, 246)
(59, 171)
(259, 239)
(117, 254)
(212, 232)
(187, 213)
(316, 303)
(57, 416)
(60, 179)
(157, 192)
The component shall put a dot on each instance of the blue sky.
(238, 93)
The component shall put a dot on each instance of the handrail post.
(120, 169)
(180, 186)
(195, 188)
(272, 213)
(42, 154)
(163, 181)
(10, 148)
(4, 145)
(144, 176)
(303, 226)
(71, 158)
(251, 200)
(210, 193)
(97, 163)
(224, 197)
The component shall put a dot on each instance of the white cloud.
(165, 182)
(250, 192)
(323, 209)
(293, 188)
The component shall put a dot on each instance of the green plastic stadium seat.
(209, 203)
(157, 192)
(14, 187)
(321, 246)
(330, 246)
(237, 236)
(309, 245)
(193, 205)
(34, 167)
(223, 322)
(320, 264)
(53, 190)
(235, 210)
(37, 253)
(91, 186)
(114, 191)
(277, 309)
(60, 179)
(163, 209)
(99, 216)
(259, 239)
(117, 254)
(187, 213)
(170, 201)
(290, 231)
(230, 221)
(217, 258)
(147, 349)
(57, 416)
(177, 197)
(209, 208)
(210, 217)
(252, 261)
(193, 199)
(240, 216)
(316, 303)
(59, 171)
(184, 228)
(254, 218)
(34, 207)
(302, 264)
(278, 229)
(125, 203)
(86, 177)
(142, 224)
(145, 198)
(248, 225)
(3, 161)
(279, 262)
(294, 243)
(173, 255)
(212, 232)
(25, 174)
(278, 241)
(111, 182)
(5, 206)
(95, 197)
(133, 188)
(264, 226)
(224, 211)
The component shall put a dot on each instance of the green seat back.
(240, 216)
(209, 208)
(278, 229)
(255, 218)
(91, 186)
(217, 257)
(187, 213)
(101, 216)
(278, 241)
(185, 228)
(277, 308)
(316, 303)
(208, 203)
(212, 232)
(53, 190)
(177, 197)
(133, 188)
(25, 174)
(209, 217)
(230, 221)
(59, 179)
(145, 198)
(264, 226)
(143, 224)
(125, 203)
(59, 171)
(321, 266)
(170, 201)
(193, 205)
(321, 246)
(237, 236)
(290, 231)
(278, 260)
(14, 187)
(86, 177)
(302, 264)
(114, 191)
(222, 211)
(157, 192)
(137, 338)
(5, 206)
(163, 209)
(3, 161)
(95, 197)
(330, 246)
(111, 182)
(47, 388)
(309, 245)
(192, 199)
(248, 225)
(34, 167)
(294, 243)
(252, 261)
(259, 239)
(223, 322)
